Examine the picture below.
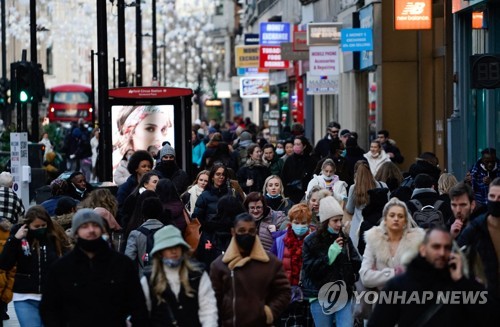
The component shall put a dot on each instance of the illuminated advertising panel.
(139, 127)
(412, 15)
(143, 118)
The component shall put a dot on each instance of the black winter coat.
(102, 291)
(32, 268)
(422, 276)
(478, 238)
(258, 173)
(206, 205)
(296, 174)
(315, 268)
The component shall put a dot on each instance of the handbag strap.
(187, 218)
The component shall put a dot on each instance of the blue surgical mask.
(273, 196)
(327, 178)
(280, 151)
(344, 153)
(331, 230)
(172, 263)
(299, 229)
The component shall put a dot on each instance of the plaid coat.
(11, 207)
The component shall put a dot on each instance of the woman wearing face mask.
(328, 180)
(298, 169)
(329, 256)
(178, 292)
(287, 247)
(376, 156)
(273, 192)
(121, 172)
(33, 246)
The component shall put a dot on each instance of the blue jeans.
(343, 317)
(27, 313)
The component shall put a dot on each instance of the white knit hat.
(328, 208)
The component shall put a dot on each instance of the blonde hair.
(446, 182)
(267, 181)
(159, 282)
(395, 202)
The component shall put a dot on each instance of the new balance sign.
(412, 15)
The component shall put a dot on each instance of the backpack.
(428, 216)
(149, 233)
(408, 182)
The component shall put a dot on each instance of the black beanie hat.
(65, 205)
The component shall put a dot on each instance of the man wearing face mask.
(167, 168)
(92, 285)
(482, 237)
(249, 283)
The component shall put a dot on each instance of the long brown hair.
(55, 233)
(363, 181)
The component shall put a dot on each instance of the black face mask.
(494, 208)
(90, 245)
(245, 242)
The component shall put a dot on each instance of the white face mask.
(280, 151)
(327, 178)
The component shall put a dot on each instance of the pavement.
(12, 322)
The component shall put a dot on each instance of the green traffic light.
(23, 96)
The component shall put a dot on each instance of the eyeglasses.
(257, 208)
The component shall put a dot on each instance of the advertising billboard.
(137, 127)
(144, 117)
(254, 87)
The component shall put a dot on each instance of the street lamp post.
(155, 56)
(122, 78)
(138, 45)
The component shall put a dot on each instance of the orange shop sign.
(412, 15)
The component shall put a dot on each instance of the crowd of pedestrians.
(260, 235)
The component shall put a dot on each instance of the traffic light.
(27, 82)
(21, 73)
(4, 91)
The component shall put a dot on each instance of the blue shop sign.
(274, 33)
(356, 39)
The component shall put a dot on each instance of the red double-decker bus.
(70, 102)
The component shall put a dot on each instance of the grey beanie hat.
(245, 136)
(84, 216)
(167, 150)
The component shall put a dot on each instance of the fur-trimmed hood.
(408, 247)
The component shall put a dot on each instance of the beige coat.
(378, 264)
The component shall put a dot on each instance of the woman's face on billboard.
(152, 130)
